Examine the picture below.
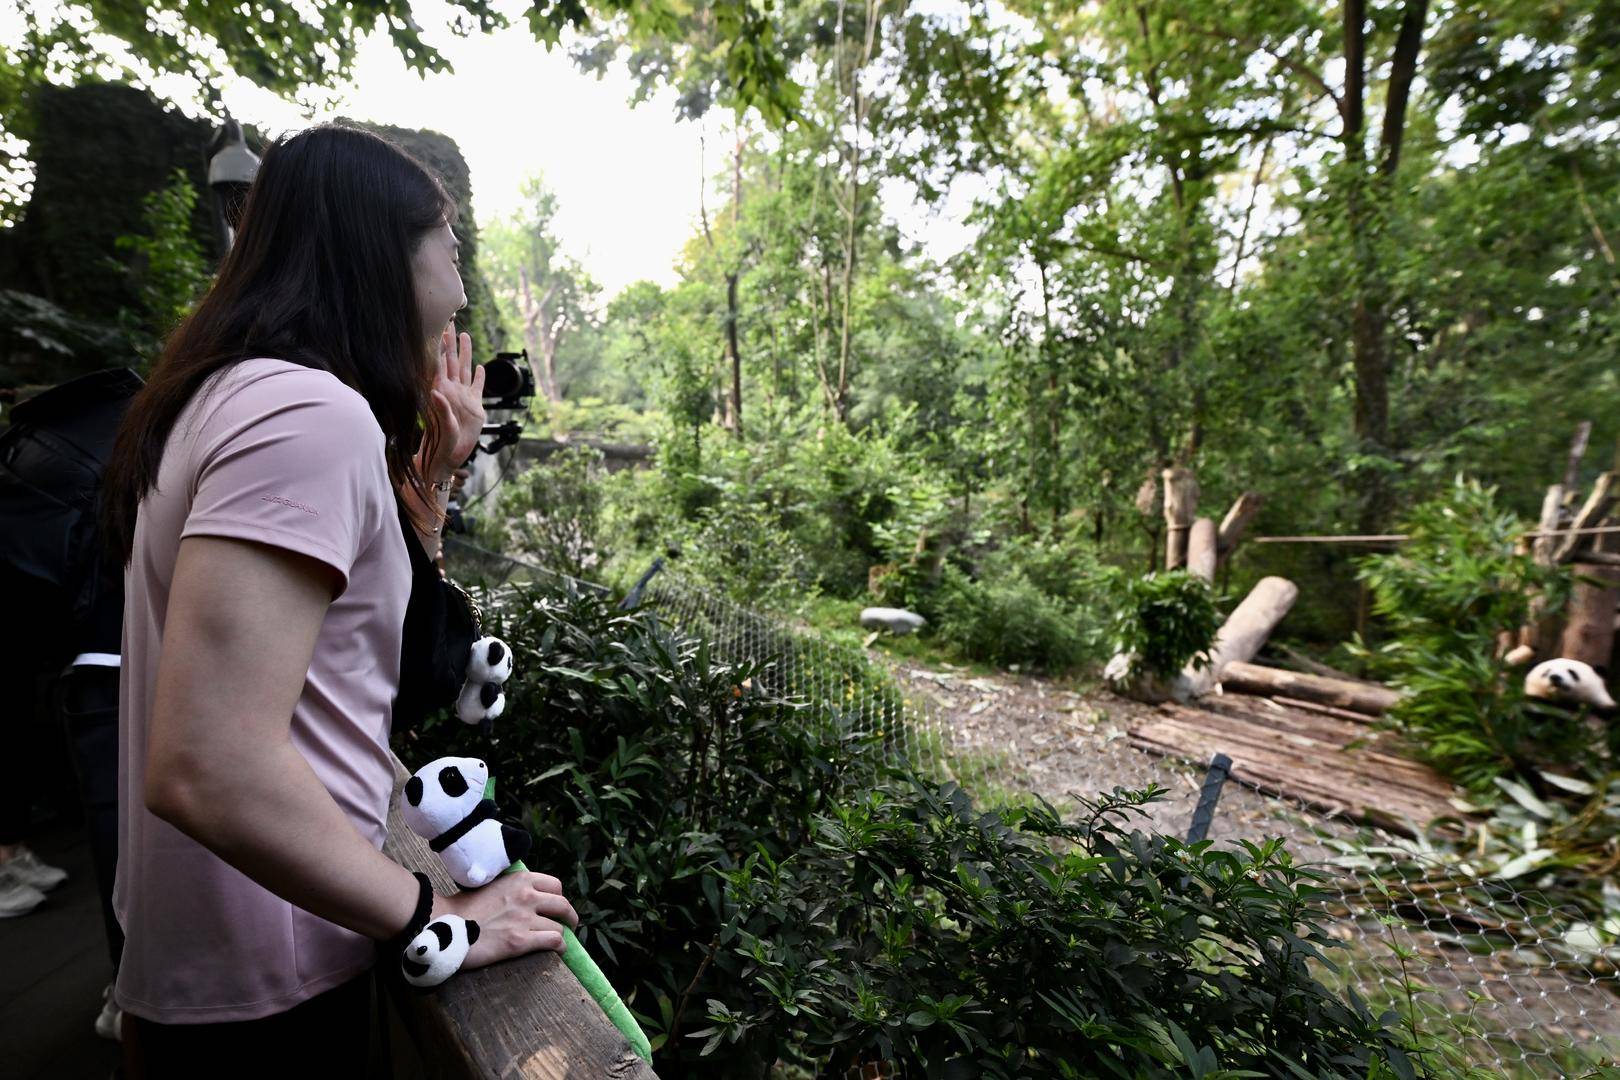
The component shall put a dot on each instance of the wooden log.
(1180, 506)
(1366, 698)
(1240, 637)
(1597, 504)
(1235, 524)
(526, 1017)
(1201, 550)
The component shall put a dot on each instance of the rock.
(894, 620)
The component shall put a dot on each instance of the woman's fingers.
(556, 908)
(544, 927)
(464, 367)
(545, 882)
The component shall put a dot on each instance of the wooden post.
(1235, 524)
(1242, 635)
(1180, 505)
(1589, 632)
(1201, 550)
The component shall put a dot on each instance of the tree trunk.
(1241, 637)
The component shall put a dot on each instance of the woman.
(251, 496)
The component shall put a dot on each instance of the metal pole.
(1220, 767)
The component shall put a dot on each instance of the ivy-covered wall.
(99, 150)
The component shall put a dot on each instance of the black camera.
(508, 384)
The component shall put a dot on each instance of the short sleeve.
(292, 458)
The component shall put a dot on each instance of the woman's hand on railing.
(517, 914)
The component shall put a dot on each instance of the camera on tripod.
(508, 385)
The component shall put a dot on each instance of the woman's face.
(436, 267)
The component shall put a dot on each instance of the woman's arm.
(240, 631)
(241, 627)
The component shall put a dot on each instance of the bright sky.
(626, 179)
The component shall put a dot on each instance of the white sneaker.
(110, 1024)
(26, 865)
(17, 896)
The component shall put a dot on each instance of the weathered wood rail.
(527, 1017)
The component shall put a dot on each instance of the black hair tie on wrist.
(423, 914)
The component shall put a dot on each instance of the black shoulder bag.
(441, 624)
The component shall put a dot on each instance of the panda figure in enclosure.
(1569, 682)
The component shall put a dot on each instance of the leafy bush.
(1008, 621)
(1166, 621)
(737, 548)
(768, 893)
(552, 513)
(1443, 598)
(170, 268)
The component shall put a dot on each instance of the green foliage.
(1165, 622)
(169, 264)
(552, 514)
(1443, 597)
(768, 893)
(38, 340)
(1011, 622)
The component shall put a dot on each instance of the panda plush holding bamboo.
(444, 804)
(482, 700)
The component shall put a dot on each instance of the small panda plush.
(482, 700)
(444, 804)
(1571, 682)
(438, 951)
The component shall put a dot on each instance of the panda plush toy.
(481, 700)
(1569, 682)
(438, 951)
(443, 802)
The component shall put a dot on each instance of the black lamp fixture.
(231, 169)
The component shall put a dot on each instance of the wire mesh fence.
(1496, 971)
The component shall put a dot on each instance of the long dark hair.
(319, 275)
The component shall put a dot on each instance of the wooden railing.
(527, 1017)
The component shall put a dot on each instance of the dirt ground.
(1019, 733)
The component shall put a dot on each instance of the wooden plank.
(526, 1017)
(1324, 761)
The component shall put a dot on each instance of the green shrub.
(1166, 621)
(552, 513)
(1442, 598)
(769, 894)
(1008, 621)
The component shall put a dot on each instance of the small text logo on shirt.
(291, 503)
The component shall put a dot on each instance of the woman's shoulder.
(267, 384)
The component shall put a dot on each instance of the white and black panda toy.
(1570, 682)
(482, 701)
(438, 951)
(444, 803)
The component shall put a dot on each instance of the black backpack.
(51, 459)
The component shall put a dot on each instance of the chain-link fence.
(1468, 959)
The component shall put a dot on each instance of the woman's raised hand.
(458, 404)
(517, 914)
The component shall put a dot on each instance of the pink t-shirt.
(285, 455)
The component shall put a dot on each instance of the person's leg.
(90, 720)
(328, 1035)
